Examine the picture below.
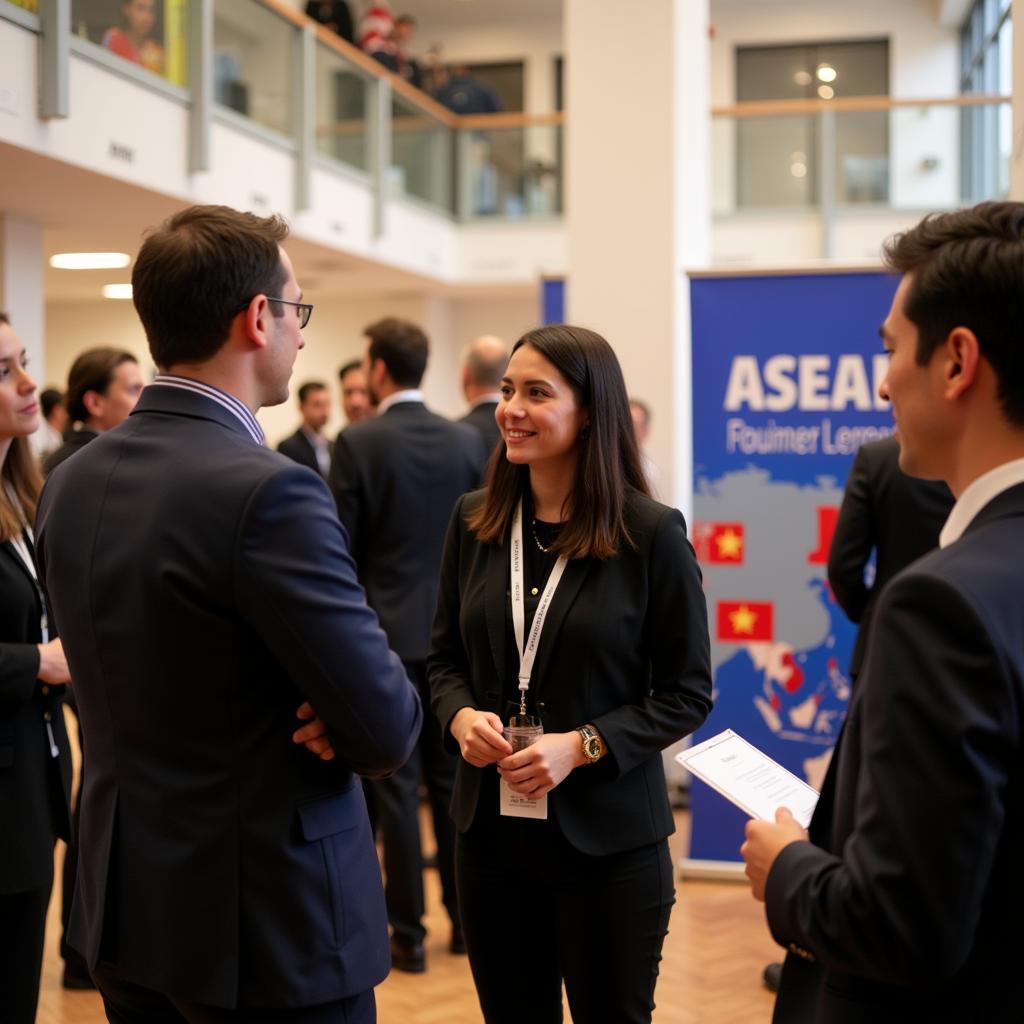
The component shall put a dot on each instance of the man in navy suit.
(308, 446)
(396, 479)
(204, 591)
(898, 904)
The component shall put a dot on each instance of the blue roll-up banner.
(552, 300)
(786, 369)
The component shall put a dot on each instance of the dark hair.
(609, 460)
(355, 364)
(196, 272)
(93, 370)
(403, 348)
(5, 319)
(967, 270)
(49, 400)
(309, 386)
(406, 19)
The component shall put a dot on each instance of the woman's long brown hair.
(608, 456)
(20, 476)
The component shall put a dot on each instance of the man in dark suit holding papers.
(899, 903)
(204, 592)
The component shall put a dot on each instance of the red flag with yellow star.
(746, 620)
(719, 543)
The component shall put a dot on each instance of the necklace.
(533, 529)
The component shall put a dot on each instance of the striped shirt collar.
(238, 409)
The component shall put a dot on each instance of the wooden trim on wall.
(782, 108)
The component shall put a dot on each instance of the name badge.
(515, 805)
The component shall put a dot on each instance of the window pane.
(421, 155)
(514, 172)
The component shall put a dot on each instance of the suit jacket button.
(47, 716)
(45, 690)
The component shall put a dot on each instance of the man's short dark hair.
(406, 19)
(403, 348)
(967, 270)
(197, 271)
(355, 364)
(49, 400)
(92, 370)
(308, 388)
(5, 319)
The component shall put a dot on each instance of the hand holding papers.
(751, 780)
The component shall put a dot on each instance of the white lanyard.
(19, 545)
(528, 652)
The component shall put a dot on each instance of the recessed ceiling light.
(827, 73)
(117, 291)
(802, 78)
(826, 92)
(90, 260)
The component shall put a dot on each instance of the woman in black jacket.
(35, 762)
(569, 595)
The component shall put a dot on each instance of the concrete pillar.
(637, 151)
(22, 295)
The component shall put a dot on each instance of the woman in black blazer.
(622, 670)
(35, 763)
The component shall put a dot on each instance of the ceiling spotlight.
(798, 170)
(90, 260)
(827, 73)
(117, 291)
(826, 92)
(802, 78)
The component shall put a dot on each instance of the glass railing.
(511, 166)
(422, 149)
(253, 50)
(860, 154)
(147, 34)
(342, 110)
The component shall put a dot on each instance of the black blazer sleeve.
(676, 634)
(854, 538)
(296, 582)
(19, 667)
(936, 742)
(448, 664)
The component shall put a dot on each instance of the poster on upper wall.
(786, 369)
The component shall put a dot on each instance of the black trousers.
(128, 1003)
(396, 802)
(74, 962)
(21, 952)
(536, 911)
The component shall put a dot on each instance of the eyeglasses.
(305, 309)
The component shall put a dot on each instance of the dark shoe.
(77, 982)
(772, 974)
(407, 955)
(458, 943)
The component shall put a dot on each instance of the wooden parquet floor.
(717, 946)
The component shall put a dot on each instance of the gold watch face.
(592, 748)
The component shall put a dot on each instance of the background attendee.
(355, 395)
(103, 386)
(131, 41)
(205, 591)
(50, 435)
(886, 513)
(482, 369)
(308, 445)
(462, 92)
(35, 762)
(899, 906)
(622, 671)
(333, 14)
(375, 27)
(393, 51)
(640, 412)
(396, 478)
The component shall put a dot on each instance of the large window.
(778, 157)
(986, 66)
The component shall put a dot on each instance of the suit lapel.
(569, 587)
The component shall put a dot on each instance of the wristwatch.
(593, 745)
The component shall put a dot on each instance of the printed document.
(750, 779)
